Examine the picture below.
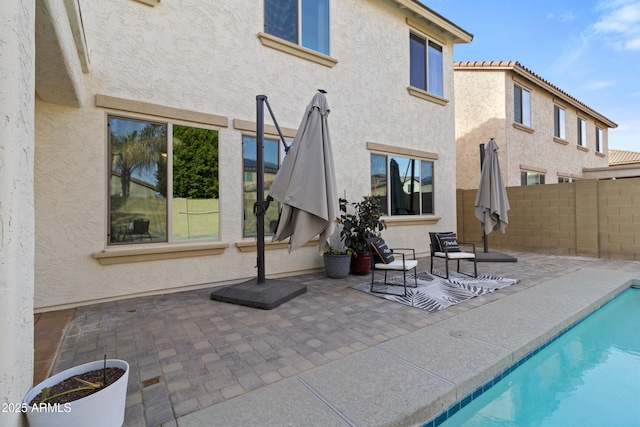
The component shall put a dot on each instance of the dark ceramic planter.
(361, 263)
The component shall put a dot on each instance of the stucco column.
(17, 242)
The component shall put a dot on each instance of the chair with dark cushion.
(391, 259)
(139, 227)
(446, 245)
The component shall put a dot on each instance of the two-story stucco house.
(128, 145)
(544, 134)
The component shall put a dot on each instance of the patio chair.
(447, 247)
(387, 259)
(139, 227)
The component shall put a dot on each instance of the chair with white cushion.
(391, 259)
(447, 247)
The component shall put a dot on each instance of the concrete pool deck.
(334, 355)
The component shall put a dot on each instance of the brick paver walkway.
(187, 352)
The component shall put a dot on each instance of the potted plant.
(360, 221)
(91, 394)
(337, 262)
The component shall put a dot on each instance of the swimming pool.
(589, 375)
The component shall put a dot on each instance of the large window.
(303, 22)
(426, 65)
(163, 182)
(404, 185)
(531, 178)
(522, 105)
(559, 120)
(273, 153)
(582, 132)
(599, 140)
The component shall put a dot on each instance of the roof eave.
(527, 74)
(422, 12)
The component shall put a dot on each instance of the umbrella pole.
(259, 208)
(484, 235)
(272, 293)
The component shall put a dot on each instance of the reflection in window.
(559, 121)
(196, 206)
(272, 155)
(407, 188)
(599, 140)
(425, 65)
(379, 180)
(140, 185)
(531, 178)
(284, 18)
(582, 132)
(521, 105)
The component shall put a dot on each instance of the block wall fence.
(594, 218)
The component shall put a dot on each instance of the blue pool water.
(587, 376)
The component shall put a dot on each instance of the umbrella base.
(266, 295)
(493, 256)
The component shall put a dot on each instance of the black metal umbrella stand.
(260, 292)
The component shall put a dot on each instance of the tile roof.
(534, 78)
(623, 157)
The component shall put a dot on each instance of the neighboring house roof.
(534, 78)
(434, 20)
(623, 157)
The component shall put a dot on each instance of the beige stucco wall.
(17, 48)
(480, 116)
(484, 109)
(596, 218)
(206, 57)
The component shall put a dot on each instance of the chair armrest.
(413, 251)
(460, 244)
(473, 245)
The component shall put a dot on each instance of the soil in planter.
(97, 376)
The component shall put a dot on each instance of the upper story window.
(521, 105)
(582, 132)
(403, 184)
(163, 182)
(559, 120)
(599, 140)
(426, 65)
(302, 22)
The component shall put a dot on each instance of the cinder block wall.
(587, 218)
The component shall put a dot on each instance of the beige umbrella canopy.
(492, 203)
(305, 184)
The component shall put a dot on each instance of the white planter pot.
(104, 408)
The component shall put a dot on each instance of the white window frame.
(582, 132)
(559, 122)
(526, 175)
(524, 105)
(428, 86)
(599, 140)
(388, 203)
(299, 27)
(115, 236)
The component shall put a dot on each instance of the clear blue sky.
(588, 48)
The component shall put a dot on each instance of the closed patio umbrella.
(305, 184)
(491, 203)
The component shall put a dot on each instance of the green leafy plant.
(335, 251)
(360, 221)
